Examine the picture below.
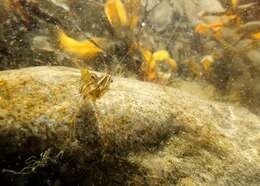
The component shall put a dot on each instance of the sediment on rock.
(141, 132)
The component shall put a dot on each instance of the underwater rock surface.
(170, 137)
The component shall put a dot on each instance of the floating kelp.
(123, 18)
(234, 35)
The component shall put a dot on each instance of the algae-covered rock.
(138, 133)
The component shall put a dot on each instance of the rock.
(170, 24)
(61, 3)
(162, 11)
(41, 43)
(146, 134)
(195, 7)
(161, 16)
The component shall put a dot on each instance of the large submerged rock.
(153, 135)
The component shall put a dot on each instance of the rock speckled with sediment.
(173, 138)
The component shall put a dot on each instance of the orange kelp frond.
(147, 54)
(234, 3)
(172, 64)
(217, 25)
(160, 55)
(151, 60)
(122, 15)
(207, 62)
(116, 13)
(163, 55)
(82, 49)
(256, 36)
(149, 64)
(202, 28)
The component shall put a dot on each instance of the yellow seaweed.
(147, 55)
(163, 55)
(151, 60)
(122, 15)
(172, 63)
(256, 36)
(218, 25)
(207, 62)
(201, 28)
(160, 55)
(116, 13)
(133, 22)
(234, 3)
(82, 49)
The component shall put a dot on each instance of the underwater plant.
(232, 64)
(83, 49)
(123, 18)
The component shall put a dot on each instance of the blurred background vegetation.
(214, 43)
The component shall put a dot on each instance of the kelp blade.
(116, 13)
(82, 49)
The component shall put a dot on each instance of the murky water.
(207, 48)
